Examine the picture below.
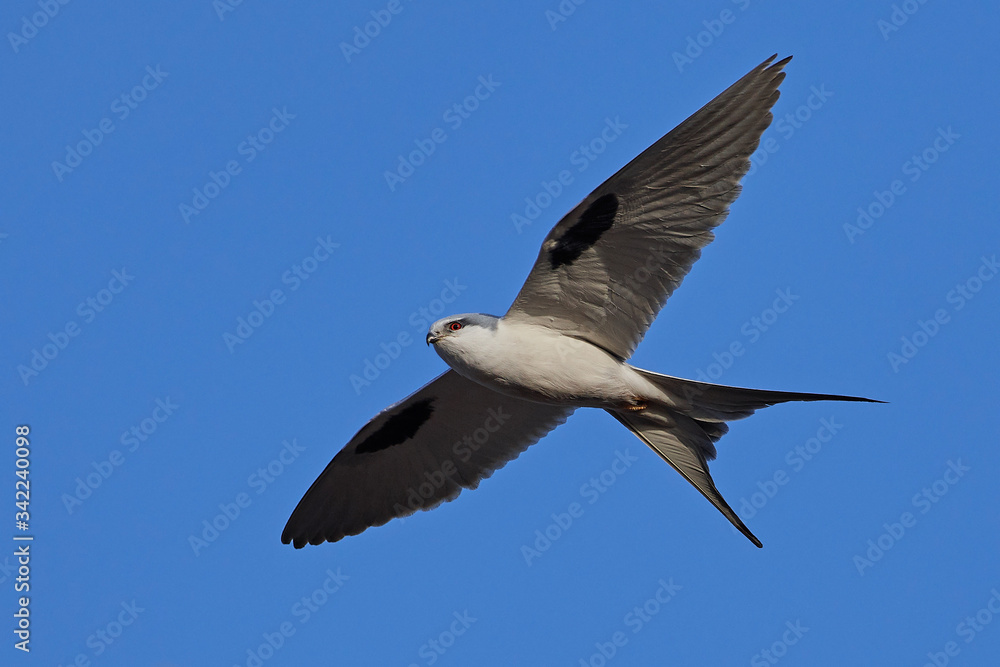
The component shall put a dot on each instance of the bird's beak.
(431, 338)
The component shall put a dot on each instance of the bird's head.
(449, 333)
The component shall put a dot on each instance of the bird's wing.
(606, 269)
(417, 454)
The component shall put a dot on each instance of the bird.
(601, 277)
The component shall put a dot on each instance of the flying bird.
(602, 275)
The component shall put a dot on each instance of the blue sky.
(200, 247)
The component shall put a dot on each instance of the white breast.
(539, 364)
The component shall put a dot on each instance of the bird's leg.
(638, 405)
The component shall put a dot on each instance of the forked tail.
(684, 434)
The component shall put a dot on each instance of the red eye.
(455, 326)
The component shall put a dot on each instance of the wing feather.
(607, 268)
(417, 454)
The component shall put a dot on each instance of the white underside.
(539, 364)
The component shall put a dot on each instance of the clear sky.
(218, 217)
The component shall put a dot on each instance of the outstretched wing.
(607, 268)
(417, 454)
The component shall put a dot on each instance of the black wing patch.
(398, 428)
(596, 220)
